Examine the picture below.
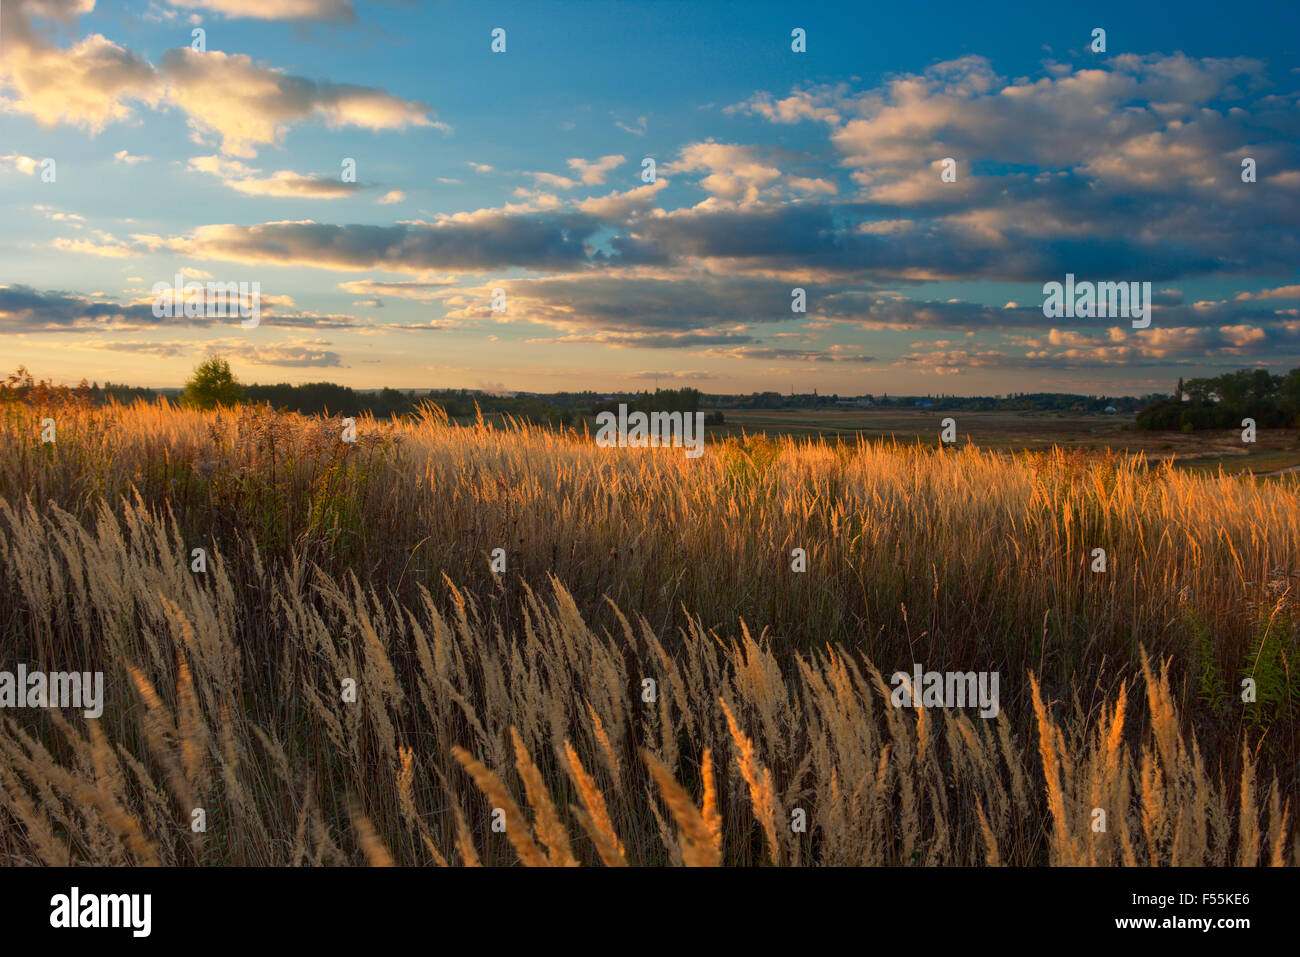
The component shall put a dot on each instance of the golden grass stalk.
(694, 837)
(376, 853)
(550, 830)
(517, 830)
(991, 856)
(761, 796)
(710, 813)
(596, 820)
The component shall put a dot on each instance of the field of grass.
(1274, 449)
(649, 681)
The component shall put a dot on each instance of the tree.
(1223, 401)
(1264, 385)
(1290, 391)
(213, 385)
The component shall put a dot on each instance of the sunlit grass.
(330, 560)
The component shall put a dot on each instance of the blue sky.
(521, 171)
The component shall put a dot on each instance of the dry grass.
(330, 562)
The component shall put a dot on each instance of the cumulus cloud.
(812, 185)
(593, 172)
(289, 183)
(553, 180)
(1197, 347)
(1280, 292)
(104, 245)
(423, 290)
(589, 173)
(275, 9)
(488, 239)
(90, 84)
(838, 239)
(301, 354)
(283, 183)
(680, 375)
(649, 304)
(1082, 151)
(144, 347)
(800, 355)
(60, 216)
(23, 164)
(1077, 116)
(619, 206)
(25, 309)
(244, 105)
(733, 172)
(800, 105)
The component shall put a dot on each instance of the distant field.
(1275, 450)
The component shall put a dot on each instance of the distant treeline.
(1017, 402)
(320, 397)
(661, 400)
(22, 386)
(561, 408)
(1029, 402)
(308, 398)
(1221, 402)
(691, 400)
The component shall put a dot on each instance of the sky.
(920, 171)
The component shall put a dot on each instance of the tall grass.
(329, 561)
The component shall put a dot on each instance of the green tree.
(1290, 391)
(212, 385)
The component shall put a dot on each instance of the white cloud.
(283, 183)
(245, 105)
(274, 9)
(23, 164)
(735, 173)
(593, 172)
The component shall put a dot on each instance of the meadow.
(349, 681)
(1209, 450)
